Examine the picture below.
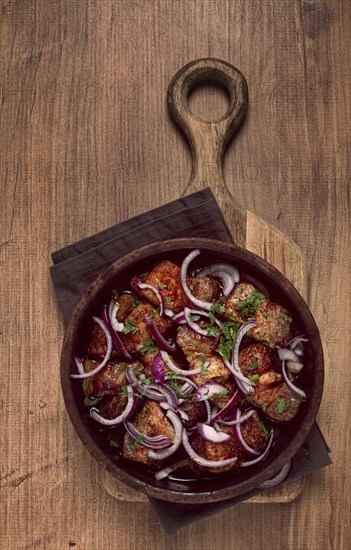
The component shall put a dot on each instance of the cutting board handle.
(208, 139)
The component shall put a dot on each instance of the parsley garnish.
(211, 331)
(204, 370)
(168, 299)
(253, 377)
(222, 393)
(87, 401)
(265, 314)
(285, 317)
(264, 406)
(252, 366)
(249, 306)
(129, 326)
(227, 339)
(263, 430)
(132, 446)
(148, 347)
(161, 286)
(217, 308)
(282, 405)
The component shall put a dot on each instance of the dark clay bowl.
(266, 278)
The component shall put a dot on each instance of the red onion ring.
(156, 291)
(227, 273)
(157, 442)
(233, 401)
(107, 355)
(157, 336)
(279, 478)
(79, 365)
(112, 310)
(115, 336)
(158, 368)
(202, 461)
(178, 428)
(183, 275)
(161, 474)
(174, 368)
(236, 414)
(208, 433)
(288, 382)
(246, 383)
(208, 390)
(263, 455)
(118, 419)
(242, 418)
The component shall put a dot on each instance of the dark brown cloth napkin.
(77, 265)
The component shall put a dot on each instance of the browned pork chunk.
(136, 336)
(109, 380)
(256, 359)
(215, 451)
(97, 343)
(255, 433)
(150, 421)
(273, 322)
(165, 276)
(276, 401)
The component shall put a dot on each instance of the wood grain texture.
(86, 142)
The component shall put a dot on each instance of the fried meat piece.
(257, 359)
(277, 401)
(109, 380)
(272, 320)
(215, 451)
(136, 323)
(255, 433)
(97, 343)
(150, 421)
(165, 276)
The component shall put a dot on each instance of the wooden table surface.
(87, 142)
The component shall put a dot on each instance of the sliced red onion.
(233, 401)
(169, 312)
(208, 411)
(294, 366)
(190, 383)
(192, 323)
(208, 390)
(179, 318)
(157, 336)
(115, 336)
(157, 442)
(183, 274)
(279, 478)
(178, 428)
(236, 430)
(242, 418)
(226, 272)
(156, 291)
(178, 410)
(158, 368)
(174, 368)
(288, 382)
(287, 354)
(122, 417)
(202, 461)
(112, 311)
(131, 377)
(108, 351)
(296, 341)
(161, 474)
(210, 434)
(246, 383)
(263, 455)
(79, 365)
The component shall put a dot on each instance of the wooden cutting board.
(208, 141)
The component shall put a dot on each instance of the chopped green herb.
(148, 347)
(144, 275)
(168, 299)
(263, 430)
(204, 370)
(253, 377)
(227, 339)
(161, 286)
(153, 314)
(216, 307)
(87, 401)
(136, 442)
(265, 314)
(252, 366)
(282, 405)
(130, 327)
(264, 406)
(143, 412)
(249, 306)
(219, 378)
(114, 443)
(222, 393)
(147, 381)
(285, 317)
(211, 331)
